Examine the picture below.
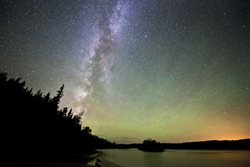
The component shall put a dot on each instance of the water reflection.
(152, 158)
(173, 158)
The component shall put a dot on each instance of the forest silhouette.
(32, 123)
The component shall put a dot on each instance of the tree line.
(33, 122)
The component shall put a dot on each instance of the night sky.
(171, 70)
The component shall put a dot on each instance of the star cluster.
(174, 71)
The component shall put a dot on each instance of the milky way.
(99, 59)
(174, 71)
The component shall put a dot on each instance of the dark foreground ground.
(47, 159)
(42, 164)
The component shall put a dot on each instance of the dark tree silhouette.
(87, 130)
(150, 142)
(33, 123)
(151, 145)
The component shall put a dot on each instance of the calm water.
(174, 158)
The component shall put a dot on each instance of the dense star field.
(174, 70)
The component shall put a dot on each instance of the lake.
(176, 158)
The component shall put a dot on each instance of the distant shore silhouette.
(241, 144)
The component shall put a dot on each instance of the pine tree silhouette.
(34, 123)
